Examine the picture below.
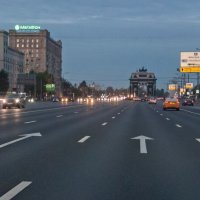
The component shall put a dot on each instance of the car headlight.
(17, 100)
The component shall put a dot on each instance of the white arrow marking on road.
(16, 190)
(142, 138)
(29, 122)
(104, 124)
(25, 136)
(84, 139)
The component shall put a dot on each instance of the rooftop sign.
(26, 28)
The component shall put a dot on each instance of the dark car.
(13, 100)
(187, 102)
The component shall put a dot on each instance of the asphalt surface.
(98, 152)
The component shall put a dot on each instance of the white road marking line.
(25, 136)
(198, 139)
(30, 122)
(167, 119)
(84, 139)
(118, 113)
(156, 110)
(178, 125)
(16, 190)
(161, 114)
(76, 112)
(113, 117)
(59, 116)
(190, 112)
(104, 124)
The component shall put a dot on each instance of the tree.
(4, 81)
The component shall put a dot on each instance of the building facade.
(143, 83)
(11, 60)
(42, 53)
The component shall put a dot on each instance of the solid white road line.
(104, 124)
(167, 119)
(84, 139)
(30, 122)
(178, 125)
(190, 112)
(59, 116)
(16, 190)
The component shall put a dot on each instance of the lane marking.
(156, 110)
(76, 112)
(167, 119)
(30, 122)
(198, 139)
(15, 191)
(84, 139)
(25, 136)
(104, 124)
(59, 116)
(40, 110)
(143, 146)
(178, 125)
(161, 114)
(118, 113)
(113, 117)
(190, 112)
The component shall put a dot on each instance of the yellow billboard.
(172, 87)
(189, 85)
(189, 62)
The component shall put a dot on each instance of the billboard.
(50, 87)
(189, 62)
(172, 87)
(189, 85)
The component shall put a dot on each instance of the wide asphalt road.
(106, 151)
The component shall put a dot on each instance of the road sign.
(189, 85)
(189, 62)
(172, 87)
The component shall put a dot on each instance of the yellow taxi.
(171, 103)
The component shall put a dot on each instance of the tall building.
(42, 53)
(11, 60)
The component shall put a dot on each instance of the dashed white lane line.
(118, 113)
(59, 116)
(161, 114)
(178, 125)
(113, 117)
(84, 139)
(104, 124)
(15, 191)
(167, 119)
(30, 122)
(76, 112)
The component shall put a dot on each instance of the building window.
(22, 45)
(27, 40)
(17, 40)
(32, 45)
(37, 40)
(17, 44)
(32, 40)
(23, 40)
(27, 45)
(37, 46)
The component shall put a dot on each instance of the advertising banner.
(189, 62)
(172, 87)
